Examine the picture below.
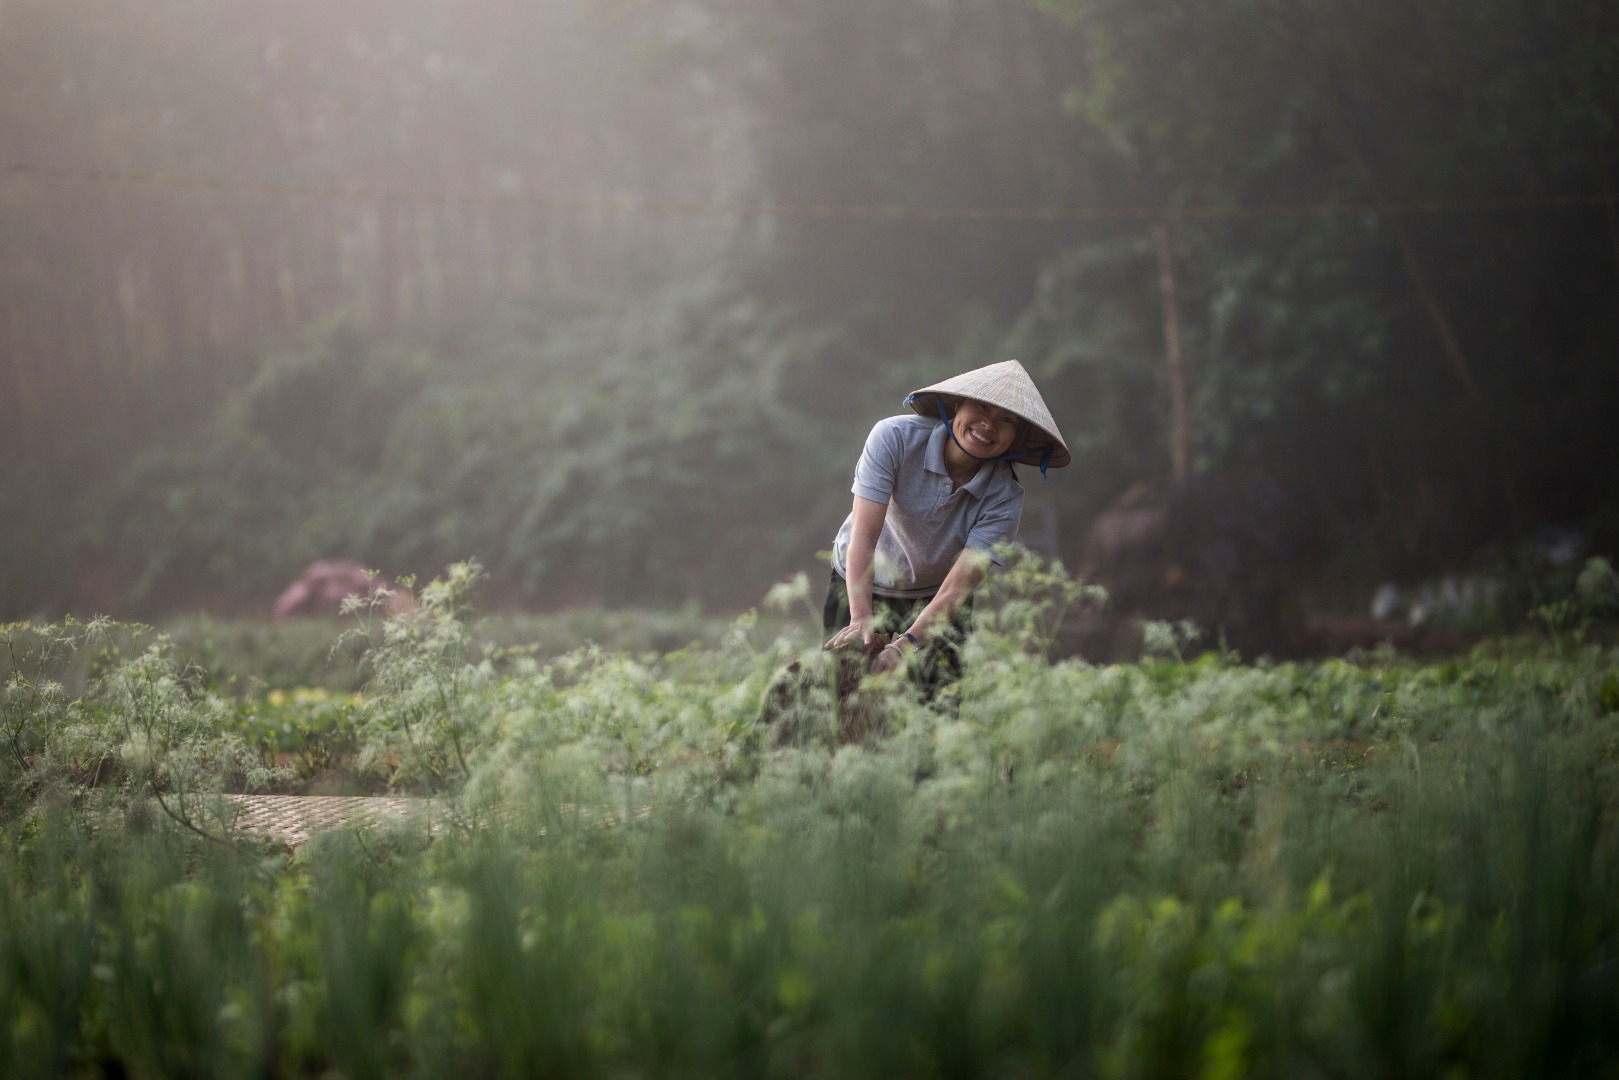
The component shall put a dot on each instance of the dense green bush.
(582, 455)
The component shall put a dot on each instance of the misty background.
(606, 294)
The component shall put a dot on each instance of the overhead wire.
(879, 212)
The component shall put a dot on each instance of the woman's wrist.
(898, 643)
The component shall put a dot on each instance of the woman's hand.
(858, 632)
(887, 659)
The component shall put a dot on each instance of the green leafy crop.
(1186, 866)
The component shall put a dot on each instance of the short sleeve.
(997, 521)
(876, 471)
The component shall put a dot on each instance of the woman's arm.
(867, 525)
(965, 574)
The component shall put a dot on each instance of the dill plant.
(147, 730)
(422, 712)
(35, 706)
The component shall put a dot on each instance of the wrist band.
(912, 637)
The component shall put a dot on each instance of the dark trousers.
(938, 662)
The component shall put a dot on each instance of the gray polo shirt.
(927, 524)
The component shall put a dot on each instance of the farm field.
(1306, 315)
(1367, 866)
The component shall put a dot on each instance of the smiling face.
(984, 430)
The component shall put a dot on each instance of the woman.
(934, 493)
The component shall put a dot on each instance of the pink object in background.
(324, 585)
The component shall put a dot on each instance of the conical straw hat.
(1007, 385)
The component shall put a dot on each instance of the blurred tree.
(410, 170)
(914, 104)
(1395, 363)
(190, 186)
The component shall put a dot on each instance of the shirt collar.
(934, 462)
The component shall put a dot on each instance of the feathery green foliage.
(1176, 867)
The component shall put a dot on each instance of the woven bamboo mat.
(295, 818)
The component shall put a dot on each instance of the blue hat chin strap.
(938, 401)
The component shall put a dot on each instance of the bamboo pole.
(1459, 366)
(1612, 213)
(1179, 422)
